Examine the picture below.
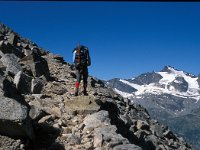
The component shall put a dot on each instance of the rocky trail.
(38, 110)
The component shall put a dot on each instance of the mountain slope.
(173, 93)
(39, 111)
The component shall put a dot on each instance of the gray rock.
(109, 135)
(14, 121)
(3, 29)
(82, 105)
(9, 89)
(39, 51)
(127, 147)
(7, 48)
(23, 82)
(151, 142)
(2, 68)
(168, 134)
(12, 38)
(95, 82)
(11, 63)
(157, 130)
(142, 125)
(98, 139)
(37, 65)
(127, 120)
(97, 119)
(73, 139)
(46, 118)
(7, 143)
(27, 52)
(140, 134)
(36, 113)
(36, 86)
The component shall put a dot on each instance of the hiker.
(81, 59)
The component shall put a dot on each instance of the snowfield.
(163, 86)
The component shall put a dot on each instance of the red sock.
(77, 85)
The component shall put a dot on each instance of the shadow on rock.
(46, 136)
(122, 128)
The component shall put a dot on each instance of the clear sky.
(125, 39)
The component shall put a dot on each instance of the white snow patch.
(193, 89)
(123, 94)
(169, 77)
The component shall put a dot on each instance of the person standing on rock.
(81, 59)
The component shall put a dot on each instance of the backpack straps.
(78, 55)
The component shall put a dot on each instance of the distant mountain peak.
(169, 69)
(173, 70)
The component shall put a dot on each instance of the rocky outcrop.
(82, 105)
(14, 121)
(35, 65)
(23, 82)
(116, 83)
(10, 61)
(147, 78)
(179, 84)
(38, 94)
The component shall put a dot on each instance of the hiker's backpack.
(81, 56)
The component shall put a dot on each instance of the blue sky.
(125, 39)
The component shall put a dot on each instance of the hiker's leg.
(85, 77)
(78, 79)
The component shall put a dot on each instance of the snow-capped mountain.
(168, 81)
(170, 95)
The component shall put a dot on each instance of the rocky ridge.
(173, 93)
(38, 110)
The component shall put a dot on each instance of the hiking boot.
(76, 92)
(85, 93)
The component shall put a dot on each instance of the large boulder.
(36, 64)
(11, 63)
(96, 120)
(23, 82)
(14, 120)
(82, 105)
(37, 85)
(12, 38)
(104, 132)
